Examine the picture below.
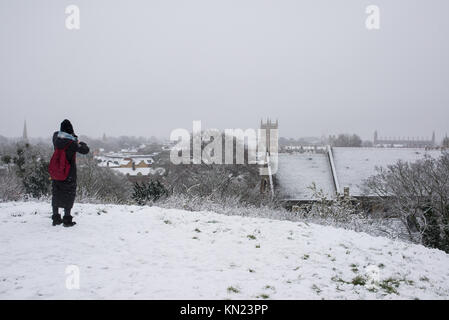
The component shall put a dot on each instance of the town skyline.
(148, 69)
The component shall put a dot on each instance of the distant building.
(137, 168)
(404, 142)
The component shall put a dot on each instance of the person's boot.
(56, 219)
(67, 221)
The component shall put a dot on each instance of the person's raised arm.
(83, 148)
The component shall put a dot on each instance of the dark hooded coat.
(64, 192)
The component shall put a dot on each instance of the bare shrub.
(241, 182)
(338, 209)
(101, 184)
(11, 187)
(418, 193)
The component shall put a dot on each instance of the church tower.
(268, 126)
(266, 182)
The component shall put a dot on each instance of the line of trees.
(345, 140)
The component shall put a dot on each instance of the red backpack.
(59, 165)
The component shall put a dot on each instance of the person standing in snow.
(64, 192)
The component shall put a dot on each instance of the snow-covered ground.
(354, 165)
(153, 253)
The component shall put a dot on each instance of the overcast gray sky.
(147, 67)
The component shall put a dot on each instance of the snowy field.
(151, 253)
(298, 171)
(354, 165)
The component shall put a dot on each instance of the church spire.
(25, 133)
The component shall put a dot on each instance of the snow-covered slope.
(153, 253)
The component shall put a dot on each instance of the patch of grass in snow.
(358, 281)
(381, 265)
(231, 289)
(424, 279)
(316, 289)
(338, 279)
(213, 221)
(251, 270)
(269, 287)
(257, 246)
(306, 256)
(197, 230)
(167, 221)
(251, 237)
(390, 285)
(263, 296)
(354, 268)
(196, 238)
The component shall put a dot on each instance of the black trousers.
(66, 212)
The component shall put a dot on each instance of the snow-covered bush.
(339, 209)
(11, 187)
(347, 213)
(152, 191)
(419, 194)
(31, 167)
(25, 174)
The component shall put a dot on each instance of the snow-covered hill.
(152, 253)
